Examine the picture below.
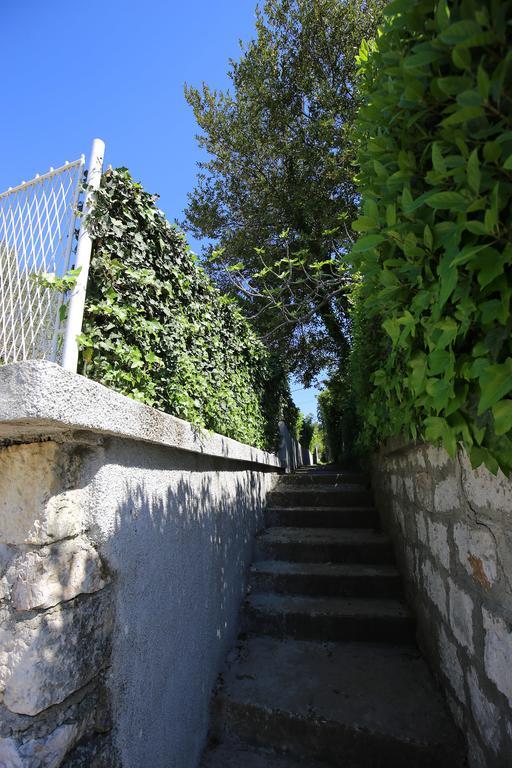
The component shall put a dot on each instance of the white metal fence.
(39, 238)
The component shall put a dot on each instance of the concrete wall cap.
(38, 398)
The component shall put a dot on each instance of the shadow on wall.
(124, 566)
(177, 529)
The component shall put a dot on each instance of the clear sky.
(115, 69)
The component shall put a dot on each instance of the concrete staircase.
(326, 672)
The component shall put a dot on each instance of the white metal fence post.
(83, 258)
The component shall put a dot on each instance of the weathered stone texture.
(476, 758)
(498, 654)
(96, 752)
(51, 750)
(421, 527)
(451, 665)
(37, 504)
(50, 575)
(54, 633)
(446, 495)
(438, 542)
(483, 491)
(461, 615)
(486, 715)
(435, 586)
(45, 658)
(424, 487)
(476, 549)
(452, 532)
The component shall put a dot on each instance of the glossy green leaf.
(495, 383)
(447, 201)
(463, 115)
(421, 59)
(502, 413)
(459, 32)
(437, 159)
(367, 242)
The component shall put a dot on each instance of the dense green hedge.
(158, 330)
(336, 411)
(435, 249)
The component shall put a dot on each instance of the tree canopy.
(275, 196)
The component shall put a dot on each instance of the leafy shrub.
(311, 435)
(336, 410)
(158, 330)
(435, 250)
(307, 431)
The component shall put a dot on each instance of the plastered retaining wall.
(124, 541)
(452, 531)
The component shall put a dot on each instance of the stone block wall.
(56, 614)
(452, 531)
(125, 539)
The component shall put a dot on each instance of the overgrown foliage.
(158, 330)
(311, 435)
(336, 412)
(276, 195)
(435, 250)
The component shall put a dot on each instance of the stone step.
(323, 517)
(324, 478)
(323, 545)
(327, 618)
(235, 754)
(327, 579)
(356, 705)
(349, 495)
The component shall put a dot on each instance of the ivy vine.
(432, 320)
(158, 330)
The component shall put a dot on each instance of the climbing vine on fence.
(158, 330)
(435, 245)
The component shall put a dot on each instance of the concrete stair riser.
(325, 552)
(322, 517)
(336, 744)
(345, 584)
(336, 479)
(349, 496)
(232, 753)
(329, 628)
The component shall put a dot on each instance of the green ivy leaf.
(459, 32)
(367, 242)
(447, 201)
(437, 159)
(479, 455)
(495, 383)
(421, 59)
(483, 82)
(502, 413)
(463, 115)
(473, 171)
(437, 428)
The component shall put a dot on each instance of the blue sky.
(115, 69)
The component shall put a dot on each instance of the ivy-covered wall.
(157, 329)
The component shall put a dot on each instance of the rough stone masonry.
(56, 614)
(452, 530)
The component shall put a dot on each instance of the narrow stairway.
(326, 672)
